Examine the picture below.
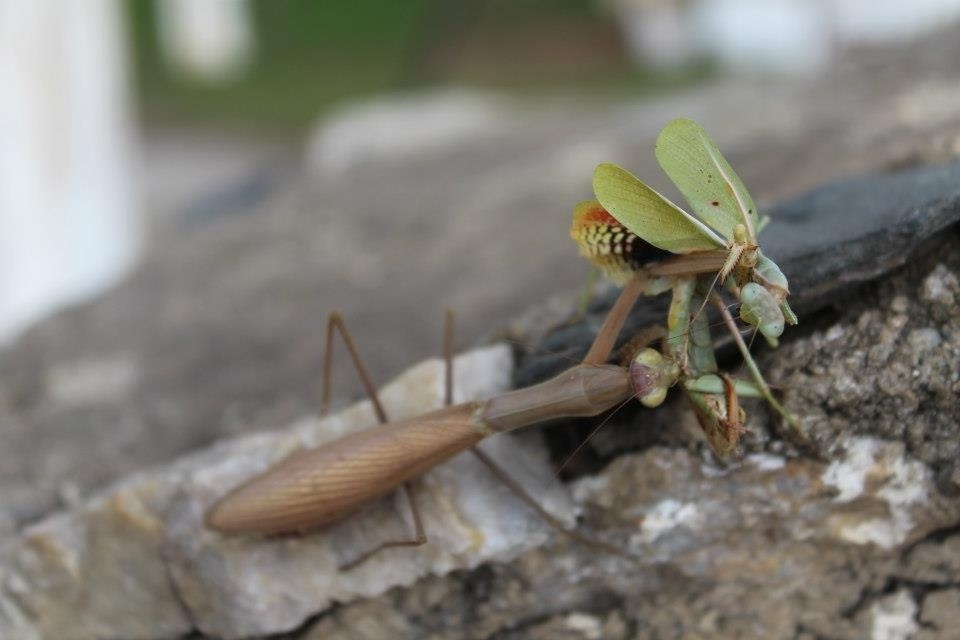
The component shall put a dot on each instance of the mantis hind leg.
(336, 322)
(419, 533)
(503, 476)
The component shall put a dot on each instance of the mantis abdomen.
(317, 487)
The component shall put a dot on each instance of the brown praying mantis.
(639, 239)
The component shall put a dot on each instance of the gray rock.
(862, 543)
(761, 549)
(940, 613)
(891, 369)
(135, 561)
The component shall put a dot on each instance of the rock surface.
(135, 561)
(861, 543)
(769, 548)
(772, 545)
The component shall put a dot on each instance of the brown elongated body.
(315, 488)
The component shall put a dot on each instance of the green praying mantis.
(630, 229)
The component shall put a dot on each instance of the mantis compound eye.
(651, 375)
(760, 308)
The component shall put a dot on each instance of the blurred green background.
(312, 55)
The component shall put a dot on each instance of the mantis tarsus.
(636, 246)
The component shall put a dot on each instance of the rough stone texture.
(135, 561)
(890, 368)
(219, 333)
(764, 549)
(861, 544)
(941, 612)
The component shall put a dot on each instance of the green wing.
(649, 215)
(705, 178)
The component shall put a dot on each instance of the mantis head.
(651, 376)
(764, 300)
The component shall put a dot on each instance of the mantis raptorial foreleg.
(720, 415)
(690, 343)
(689, 333)
(603, 343)
(678, 321)
(702, 357)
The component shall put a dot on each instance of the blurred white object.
(656, 31)
(69, 221)
(790, 36)
(890, 20)
(207, 39)
(399, 127)
(783, 36)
